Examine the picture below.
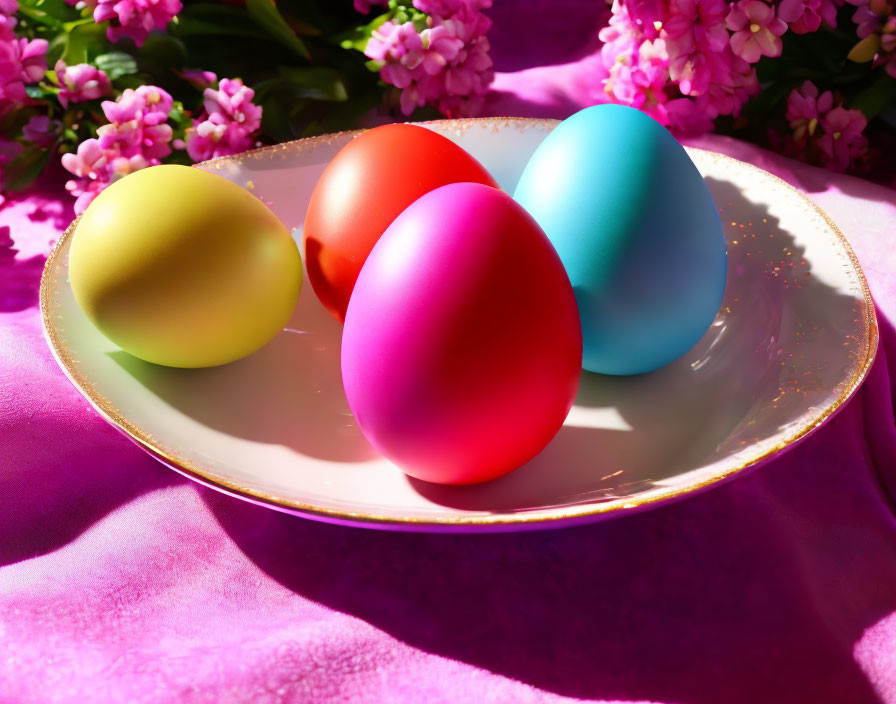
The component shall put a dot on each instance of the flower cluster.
(138, 135)
(686, 62)
(81, 82)
(876, 20)
(228, 122)
(823, 131)
(22, 61)
(134, 19)
(446, 64)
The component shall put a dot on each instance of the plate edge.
(580, 512)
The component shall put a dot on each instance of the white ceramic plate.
(793, 340)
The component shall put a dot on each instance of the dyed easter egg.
(363, 189)
(638, 233)
(461, 352)
(184, 268)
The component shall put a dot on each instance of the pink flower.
(648, 17)
(869, 21)
(689, 116)
(133, 139)
(364, 6)
(8, 9)
(233, 99)
(442, 9)
(698, 24)
(34, 59)
(806, 16)
(396, 43)
(156, 100)
(137, 136)
(148, 104)
(227, 123)
(823, 132)
(216, 136)
(41, 130)
(443, 45)
(734, 81)
(692, 71)
(842, 140)
(81, 82)
(7, 25)
(804, 109)
(88, 164)
(638, 68)
(887, 55)
(638, 75)
(135, 19)
(877, 29)
(757, 31)
(200, 79)
(21, 61)
(446, 64)
(88, 161)
(96, 168)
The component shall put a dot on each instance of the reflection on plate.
(793, 339)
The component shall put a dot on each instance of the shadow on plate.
(751, 375)
(288, 393)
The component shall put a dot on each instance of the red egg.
(363, 189)
(462, 347)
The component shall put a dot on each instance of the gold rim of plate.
(865, 357)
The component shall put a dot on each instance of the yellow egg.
(180, 267)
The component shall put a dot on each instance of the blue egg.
(638, 233)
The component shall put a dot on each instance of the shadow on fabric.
(758, 590)
(19, 278)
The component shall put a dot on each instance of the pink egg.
(462, 346)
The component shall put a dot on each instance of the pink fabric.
(120, 581)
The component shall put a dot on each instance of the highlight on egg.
(363, 189)
(638, 233)
(183, 268)
(461, 352)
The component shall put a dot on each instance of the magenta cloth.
(121, 581)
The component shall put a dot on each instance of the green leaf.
(877, 96)
(266, 15)
(160, 54)
(864, 51)
(321, 118)
(275, 120)
(34, 92)
(191, 27)
(133, 80)
(358, 37)
(24, 168)
(297, 97)
(315, 18)
(116, 64)
(39, 16)
(14, 120)
(58, 10)
(201, 21)
(84, 41)
(317, 83)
